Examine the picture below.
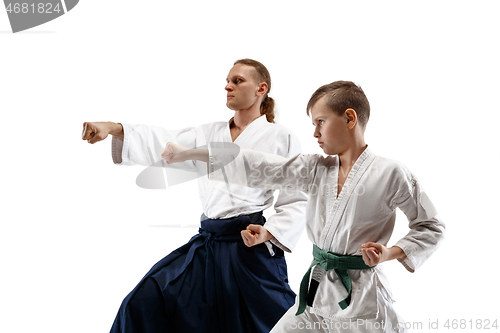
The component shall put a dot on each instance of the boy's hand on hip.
(375, 253)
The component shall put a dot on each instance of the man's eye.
(237, 81)
(321, 121)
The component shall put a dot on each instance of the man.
(216, 283)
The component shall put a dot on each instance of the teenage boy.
(353, 196)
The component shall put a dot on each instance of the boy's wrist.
(396, 252)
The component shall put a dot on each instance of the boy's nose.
(316, 133)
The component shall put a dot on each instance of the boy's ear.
(351, 118)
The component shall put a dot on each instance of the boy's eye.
(321, 121)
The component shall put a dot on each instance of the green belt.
(328, 261)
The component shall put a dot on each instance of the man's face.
(330, 129)
(241, 87)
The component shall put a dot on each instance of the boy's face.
(331, 130)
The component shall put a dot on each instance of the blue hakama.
(213, 284)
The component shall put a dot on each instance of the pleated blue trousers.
(213, 284)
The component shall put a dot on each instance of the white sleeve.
(289, 175)
(426, 228)
(289, 221)
(143, 144)
(262, 170)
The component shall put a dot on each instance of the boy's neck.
(350, 156)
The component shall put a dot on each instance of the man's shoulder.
(215, 124)
(277, 127)
(210, 129)
(278, 132)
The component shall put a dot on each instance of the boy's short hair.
(342, 95)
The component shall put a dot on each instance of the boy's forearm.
(198, 154)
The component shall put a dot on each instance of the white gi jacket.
(364, 210)
(144, 144)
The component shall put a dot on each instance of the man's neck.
(244, 118)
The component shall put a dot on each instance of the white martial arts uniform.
(144, 144)
(363, 211)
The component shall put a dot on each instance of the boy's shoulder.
(390, 164)
(394, 170)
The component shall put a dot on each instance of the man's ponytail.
(267, 108)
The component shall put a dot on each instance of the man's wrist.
(116, 129)
(269, 235)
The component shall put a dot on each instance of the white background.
(77, 234)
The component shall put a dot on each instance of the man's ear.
(262, 89)
(351, 118)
